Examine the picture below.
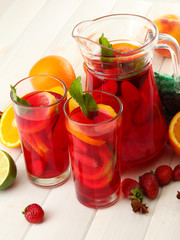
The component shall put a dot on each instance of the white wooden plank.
(64, 45)
(15, 19)
(167, 213)
(33, 42)
(67, 219)
(14, 200)
(4, 5)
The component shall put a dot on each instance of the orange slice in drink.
(9, 135)
(74, 130)
(174, 133)
(107, 110)
(38, 117)
(124, 47)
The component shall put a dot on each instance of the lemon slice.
(8, 170)
(9, 135)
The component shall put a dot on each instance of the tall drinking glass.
(42, 129)
(94, 150)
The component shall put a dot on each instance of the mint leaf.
(85, 100)
(104, 51)
(18, 99)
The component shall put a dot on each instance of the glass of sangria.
(38, 105)
(118, 51)
(94, 150)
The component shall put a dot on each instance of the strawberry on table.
(176, 173)
(34, 213)
(163, 174)
(149, 184)
(132, 189)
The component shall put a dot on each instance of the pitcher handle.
(175, 54)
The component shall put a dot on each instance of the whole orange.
(55, 66)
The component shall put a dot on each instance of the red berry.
(163, 174)
(149, 184)
(176, 173)
(129, 184)
(109, 86)
(130, 94)
(33, 213)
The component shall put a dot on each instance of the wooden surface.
(32, 29)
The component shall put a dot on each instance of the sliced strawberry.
(141, 114)
(109, 86)
(100, 183)
(36, 167)
(130, 94)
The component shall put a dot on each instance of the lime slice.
(8, 170)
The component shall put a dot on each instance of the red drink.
(43, 136)
(94, 155)
(144, 123)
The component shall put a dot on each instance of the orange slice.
(9, 135)
(174, 133)
(74, 130)
(124, 47)
(107, 109)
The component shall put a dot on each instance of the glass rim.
(135, 51)
(40, 107)
(95, 124)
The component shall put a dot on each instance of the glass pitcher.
(118, 51)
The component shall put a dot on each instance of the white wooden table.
(29, 30)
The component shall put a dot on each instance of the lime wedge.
(8, 170)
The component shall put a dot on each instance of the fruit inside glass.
(42, 129)
(94, 150)
(118, 52)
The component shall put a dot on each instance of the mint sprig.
(85, 100)
(18, 99)
(105, 53)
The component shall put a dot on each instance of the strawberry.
(33, 213)
(149, 184)
(110, 86)
(163, 174)
(130, 94)
(176, 173)
(132, 189)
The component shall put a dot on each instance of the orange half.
(174, 133)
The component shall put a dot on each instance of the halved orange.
(174, 133)
(9, 135)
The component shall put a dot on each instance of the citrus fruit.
(8, 170)
(174, 133)
(9, 135)
(107, 110)
(72, 103)
(124, 47)
(168, 24)
(55, 66)
(41, 99)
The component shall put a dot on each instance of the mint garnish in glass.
(18, 99)
(85, 100)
